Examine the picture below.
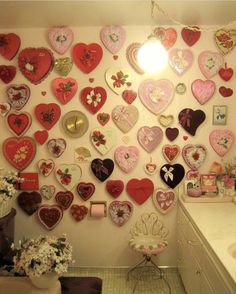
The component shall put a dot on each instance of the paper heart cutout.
(35, 64)
(64, 89)
(113, 38)
(209, 63)
(191, 119)
(29, 202)
(191, 35)
(87, 57)
(203, 90)
(102, 169)
(103, 139)
(125, 117)
(170, 152)
(225, 92)
(172, 133)
(221, 141)
(103, 118)
(115, 187)
(68, 175)
(131, 55)
(60, 38)
(167, 36)
(7, 73)
(172, 175)
(78, 212)
(19, 152)
(47, 191)
(64, 199)
(85, 190)
(165, 120)
(4, 108)
(126, 157)
(47, 114)
(194, 155)
(120, 211)
(46, 166)
(41, 136)
(226, 73)
(149, 138)
(118, 79)
(49, 215)
(18, 122)
(225, 40)
(156, 95)
(129, 96)
(18, 95)
(9, 45)
(93, 98)
(180, 60)
(56, 146)
(140, 190)
(164, 200)
(63, 65)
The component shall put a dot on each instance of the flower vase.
(44, 281)
(5, 207)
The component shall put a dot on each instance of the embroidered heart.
(149, 138)
(103, 118)
(63, 65)
(78, 212)
(68, 175)
(56, 146)
(120, 212)
(7, 73)
(172, 133)
(103, 139)
(46, 166)
(165, 120)
(85, 190)
(35, 64)
(50, 215)
(87, 57)
(9, 45)
(125, 117)
(60, 38)
(126, 157)
(113, 38)
(115, 187)
(226, 92)
(41, 136)
(118, 79)
(102, 169)
(172, 175)
(194, 155)
(167, 36)
(190, 119)
(209, 63)
(64, 89)
(47, 191)
(4, 108)
(18, 95)
(191, 35)
(47, 114)
(140, 190)
(226, 73)
(180, 60)
(129, 96)
(29, 202)
(19, 152)
(93, 98)
(156, 95)
(170, 152)
(164, 200)
(225, 40)
(221, 141)
(203, 90)
(64, 199)
(18, 122)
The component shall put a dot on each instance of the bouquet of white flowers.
(7, 186)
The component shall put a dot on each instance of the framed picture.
(219, 114)
(208, 183)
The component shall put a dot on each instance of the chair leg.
(143, 262)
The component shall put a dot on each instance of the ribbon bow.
(168, 173)
(185, 118)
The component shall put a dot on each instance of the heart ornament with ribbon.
(150, 138)
(102, 169)
(103, 139)
(194, 155)
(191, 119)
(172, 175)
(164, 200)
(125, 117)
(64, 89)
(118, 79)
(93, 98)
(180, 60)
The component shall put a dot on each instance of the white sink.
(232, 250)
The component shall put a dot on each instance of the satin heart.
(64, 89)
(47, 114)
(165, 120)
(140, 190)
(9, 45)
(103, 139)
(167, 36)
(191, 119)
(49, 215)
(29, 202)
(56, 146)
(156, 95)
(103, 118)
(41, 136)
(172, 133)
(180, 60)
(221, 141)
(68, 175)
(125, 117)
(114, 187)
(64, 199)
(225, 40)
(120, 212)
(47, 191)
(194, 155)
(102, 169)
(170, 152)
(113, 38)
(78, 212)
(209, 63)
(203, 90)
(126, 157)
(118, 79)
(150, 138)
(93, 98)
(63, 65)
(18, 95)
(85, 190)
(172, 175)
(164, 200)
(129, 96)
(46, 166)
(131, 55)
(4, 109)
(190, 35)
(60, 38)
(226, 73)
(18, 122)
(7, 73)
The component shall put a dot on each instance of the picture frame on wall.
(219, 114)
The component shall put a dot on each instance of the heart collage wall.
(108, 119)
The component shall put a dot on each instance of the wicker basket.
(5, 207)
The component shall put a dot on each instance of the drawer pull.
(193, 243)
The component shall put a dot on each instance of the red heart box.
(189, 36)
(64, 199)
(9, 45)
(50, 215)
(225, 92)
(93, 98)
(29, 201)
(115, 187)
(140, 190)
(18, 122)
(64, 89)
(85, 190)
(226, 73)
(41, 136)
(78, 212)
(48, 114)
(7, 73)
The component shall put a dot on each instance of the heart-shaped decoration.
(46, 166)
(93, 98)
(203, 90)
(193, 175)
(19, 152)
(150, 138)
(156, 95)
(185, 138)
(125, 117)
(47, 191)
(210, 63)
(60, 38)
(68, 175)
(102, 169)
(103, 139)
(41, 136)
(29, 202)
(18, 95)
(180, 60)
(35, 64)
(47, 114)
(140, 190)
(64, 89)
(226, 92)
(7, 73)
(166, 120)
(18, 122)
(172, 133)
(126, 157)
(120, 211)
(129, 96)
(225, 40)
(50, 215)
(113, 38)
(170, 152)
(78, 212)
(118, 79)
(56, 146)
(4, 108)
(226, 73)
(150, 168)
(115, 187)
(64, 199)
(103, 118)
(164, 200)
(63, 65)
(191, 119)
(194, 155)
(87, 57)
(172, 175)
(167, 36)
(85, 190)
(191, 35)
(221, 141)
(131, 55)
(9, 45)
